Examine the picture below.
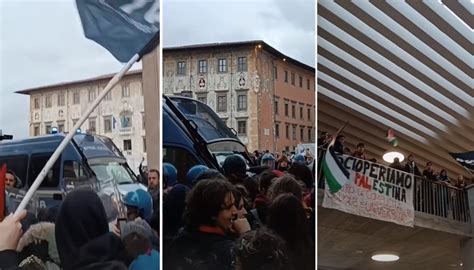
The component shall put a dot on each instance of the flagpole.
(39, 179)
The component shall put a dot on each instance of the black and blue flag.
(123, 27)
(465, 159)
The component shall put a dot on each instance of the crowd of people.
(257, 217)
(410, 166)
(81, 234)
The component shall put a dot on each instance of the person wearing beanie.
(235, 169)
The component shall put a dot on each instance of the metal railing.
(430, 197)
(439, 199)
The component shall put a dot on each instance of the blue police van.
(194, 134)
(90, 161)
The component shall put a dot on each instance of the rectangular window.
(76, 97)
(294, 133)
(181, 68)
(301, 112)
(143, 120)
(292, 78)
(287, 131)
(92, 125)
(61, 99)
(48, 101)
(301, 82)
(144, 145)
(202, 64)
(108, 96)
(222, 103)
(308, 84)
(309, 114)
(202, 98)
(277, 130)
(126, 120)
(275, 73)
(242, 102)
(286, 76)
(37, 103)
(47, 127)
(286, 109)
(127, 145)
(107, 124)
(302, 134)
(293, 111)
(276, 106)
(242, 127)
(36, 130)
(74, 121)
(126, 90)
(242, 64)
(91, 95)
(222, 65)
(309, 134)
(61, 126)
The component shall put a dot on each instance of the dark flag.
(465, 159)
(123, 27)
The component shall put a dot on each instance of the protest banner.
(374, 191)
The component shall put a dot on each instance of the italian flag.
(334, 172)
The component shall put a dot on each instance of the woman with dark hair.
(288, 219)
(286, 184)
(82, 235)
(205, 241)
(261, 250)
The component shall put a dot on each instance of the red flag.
(3, 172)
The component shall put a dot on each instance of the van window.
(73, 169)
(37, 163)
(181, 159)
(18, 164)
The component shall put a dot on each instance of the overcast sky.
(42, 42)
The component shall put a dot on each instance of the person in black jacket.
(82, 235)
(205, 242)
(411, 167)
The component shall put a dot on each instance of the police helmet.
(141, 200)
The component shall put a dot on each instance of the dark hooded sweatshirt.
(82, 235)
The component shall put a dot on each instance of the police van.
(90, 161)
(194, 134)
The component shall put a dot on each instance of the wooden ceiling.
(405, 65)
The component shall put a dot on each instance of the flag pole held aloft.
(128, 30)
(67, 139)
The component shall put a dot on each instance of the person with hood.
(82, 235)
(205, 242)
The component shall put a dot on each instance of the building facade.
(265, 96)
(120, 115)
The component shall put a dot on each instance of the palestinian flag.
(334, 172)
(391, 138)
